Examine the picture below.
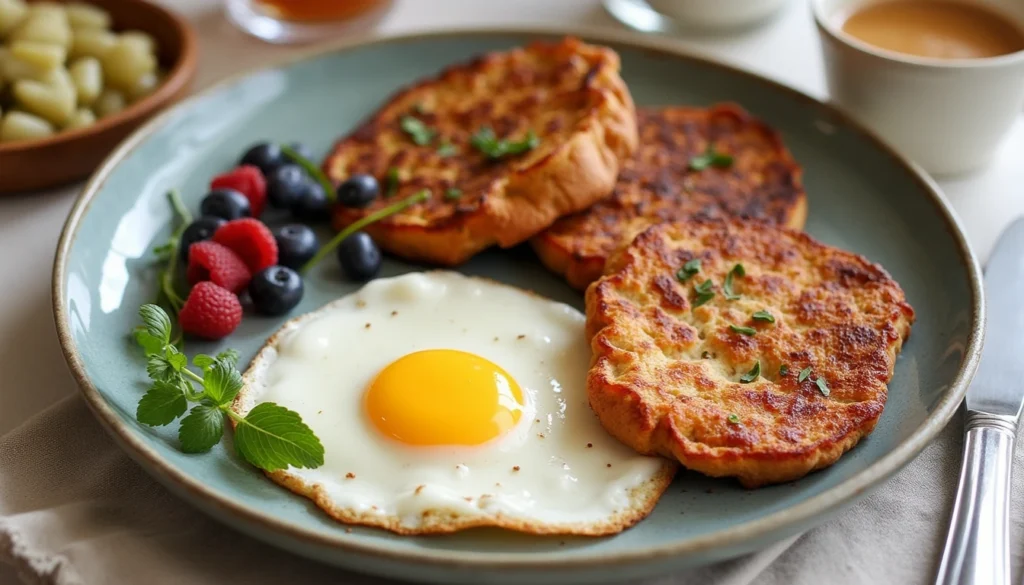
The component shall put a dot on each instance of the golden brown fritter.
(568, 94)
(659, 185)
(668, 376)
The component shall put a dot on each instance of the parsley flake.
(391, 181)
(447, 149)
(763, 316)
(689, 269)
(804, 373)
(753, 374)
(452, 193)
(704, 293)
(750, 331)
(737, 270)
(494, 148)
(418, 132)
(734, 418)
(783, 370)
(822, 385)
(710, 158)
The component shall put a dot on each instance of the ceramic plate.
(862, 197)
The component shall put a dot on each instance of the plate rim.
(815, 506)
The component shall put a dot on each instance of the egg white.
(556, 471)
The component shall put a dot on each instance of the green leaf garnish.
(689, 269)
(328, 248)
(447, 149)
(418, 132)
(312, 170)
(710, 158)
(162, 403)
(753, 374)
(222, 382)
(734, 418)
(391, 181)
(744, 330)
(783, 370)
(272, 437)
(822, 386)
(704, 293)
(763, 316)
(737, 270)
(451, 194)
(804, 373)
(494, 148)
(201, 429)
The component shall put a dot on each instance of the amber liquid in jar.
(316, 10)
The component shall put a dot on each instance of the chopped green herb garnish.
(415, 198)
(312, 170)
(737, 270)
(269, 437)
(804, 373)
(452, 193)
(710, 158)
(763, 316)
(744, 330)
(783, 370)
(704, 293)
(822, 386)
(447, 149)
(734, 418)
(420, 134)
(689, 269)
(392, 180)
(494, 148)
(753, 374)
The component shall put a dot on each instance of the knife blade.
(977, 548)
(997, 387)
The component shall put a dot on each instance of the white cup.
(947, 115)
(717, 13)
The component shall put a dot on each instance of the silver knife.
(978, 545)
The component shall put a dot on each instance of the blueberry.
(199, 230)
(302, 150)
(286, 185)
(311, 206)
(358, 191)
(360, 257)
(296, 244)
(275, 290)
(226, 204)
(265, 155)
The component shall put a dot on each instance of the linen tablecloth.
(75, 509)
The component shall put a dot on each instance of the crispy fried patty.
(658, 185)
(568, 94)
(726, 393)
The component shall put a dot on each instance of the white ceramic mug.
(947, 115)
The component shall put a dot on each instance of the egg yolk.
(443, 397)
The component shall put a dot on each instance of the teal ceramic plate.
(862, 197)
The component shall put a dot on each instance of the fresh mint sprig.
(269, 437)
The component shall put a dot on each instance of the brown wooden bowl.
(72, 155)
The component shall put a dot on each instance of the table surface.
(785, 49)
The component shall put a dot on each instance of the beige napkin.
(74, 509)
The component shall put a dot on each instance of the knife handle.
(978, 545)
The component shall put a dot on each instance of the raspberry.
(251, 240)
(247, 180)
(218, 264)
(210, 312)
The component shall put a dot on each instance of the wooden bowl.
(72, 155)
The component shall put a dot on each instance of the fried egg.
(447, 402)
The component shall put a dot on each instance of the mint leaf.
(149, 344)
(488, 143)
(163, 403)
(420, 134)
(272, 437)
(201, 429)
(176, 359)
(222, 382)
(203, 361)
(157, 323)
(228, 355)
(160, 369)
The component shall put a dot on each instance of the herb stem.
(226, 409)
(418, 197)
(192, 375)
(167, 275)
(312, 170)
